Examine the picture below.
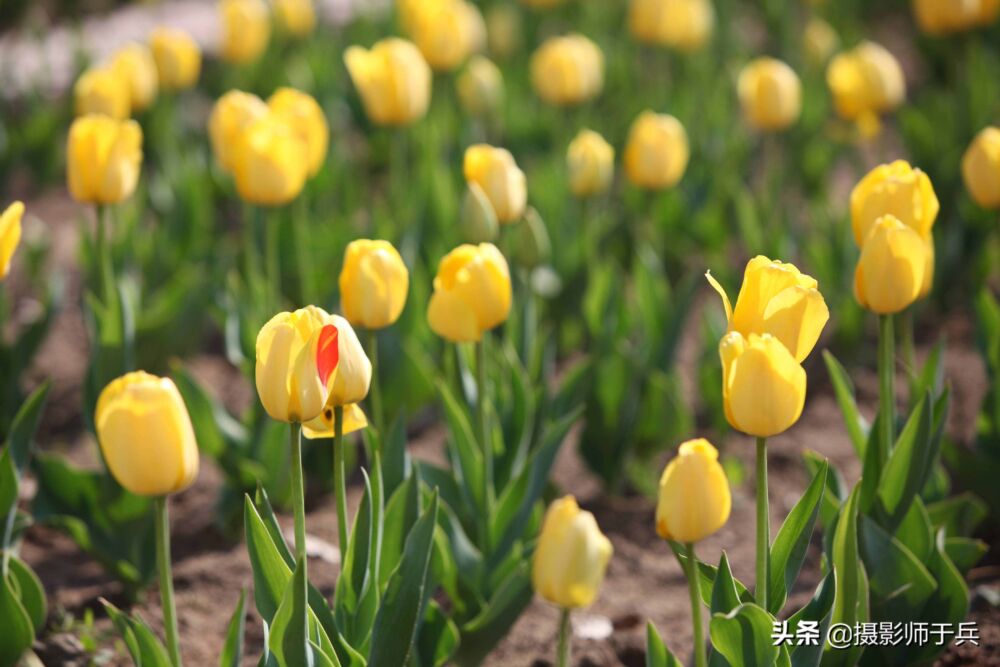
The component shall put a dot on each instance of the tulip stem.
(375, 393)
(763, 527)
(484, 439)
(694, 588)
(298, 491)
(166, 580)
(339, 477)
(564, 638)
(886, 387)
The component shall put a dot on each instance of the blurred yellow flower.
(763, 386)
(101, 90)
(296, 17)
(146, 435)
(891, 272)
(232, 113)
(373, 284)
(447, 32)
(177, 56)
(694, 499)
(502, 181)
(272, 162)
(393, 80)
(350, 384)
(480, 87)
(684, 25)
(246, 30)
(820, 41)
(504, 31)
(135, 65)
(472, 293)
(657, 152)
(571, 557)
(865, 81)
(770, 94)
(567, 70)
(10, 235)
(941, 17)
(590, 161)
(304, 115)
(103, 159)
(981, 168)
(894, 189)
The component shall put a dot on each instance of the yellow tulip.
(820, 41)
(503, 182)
(101, 90)
(684, 25)
(231, 115)
(892, 270)
(865, 82)
(135, 65)
(472, 293)
(657, 152)
(504, 31)
(981, 168)
(272, 162)
(306, 118)
(103, 159)
(146, 435)
(763, 386)
(480, 87)
(770, 94)
(941, 17)
(777, 299)
(447, 32)
(393, 80)
(246, 30)
(591, 164)
(296, 17)
(373, 284)
(297, 359)
(693, 500)
(571, 557)
(894, 189)
(10, 235)
(349, 385)
(567, 70)
(177, 56)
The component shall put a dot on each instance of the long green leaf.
(657, 653)
(743, 636)
(788, 551)
(232, 649)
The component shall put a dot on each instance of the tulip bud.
(770, 94)
(503, 30)
(480, 87)
(304, 115)
(103, 159)
(246, 30)
(101, 90)
(694, 499)
(820, 41)
(892, 270)
(393, 80)
(10, 235)
(494, 170)
(777, 299)
(272, 162)
(657, 152)
(763, 386)
(146, 435)
(297, 357)
(894, 189)
(349, 385)
(590, 161)
(296, 17)
(177, 56)
(684, 25)
(472, 293)
(531, 240)
(232, 113)
(373, 284)
(865, 81)
(447, 32)
(479, 220)
(135, 65)
(981, 168)
(571, 557)
(567, 70)
(936, 17)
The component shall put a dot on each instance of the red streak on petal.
(327, 352)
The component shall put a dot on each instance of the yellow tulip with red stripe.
(349, 385)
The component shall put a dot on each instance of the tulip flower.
(777, 299)
(304, 115)
(103, 159)
(941, 18)
(393, 80)
(472, 293)
(478, 220)
(820, 41)
(102, 90)
(981, 168)
(684, 25)
(10, 235)
(894, 189)
(135, 65)
(373, 284)
(149, 445)
(657, 152)
(503, 182)
(567, 70)
(504, 32)
(770, 94)
(590, 161)
(447, 32)
(230, 116)
(246, 30)
(177, 57)
(480, 87)
(865, 82)
(296, 17)
(569, 562)
(890, 272)
(272, 162)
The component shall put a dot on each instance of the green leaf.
(899, 582)
(263, 504)
(466, 457)
(438, 637)
(352, 583)
(482, 633)
(833, 494)
(9, 484)
(24, 426)
(843, 390)
(905, 471)
(232, 650)
(29, 590)
(215, 427)
(270, 572)
(958, 515)
(965, 552)
(708, 574)
(401, 513)
(289, 636)
(725, 596)
(850, 604)
(18, 632)
(819, 610)
(144, 647)
(743, 636)
(657, 653)
(788, 551)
